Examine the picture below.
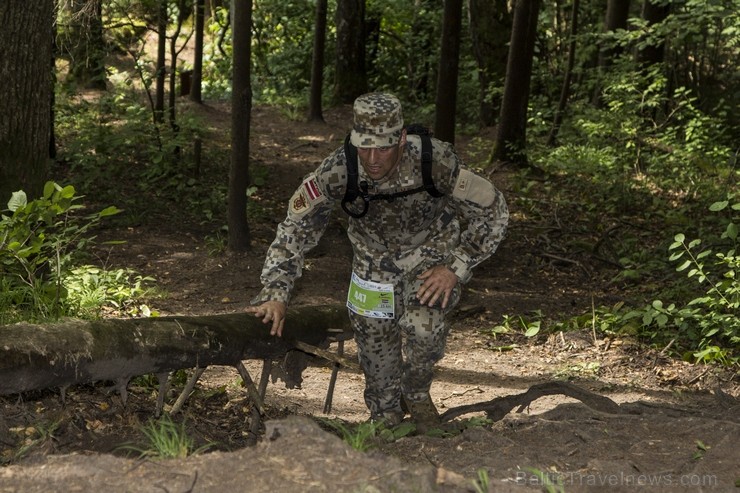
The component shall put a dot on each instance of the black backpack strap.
(352, 192)
(426, 166)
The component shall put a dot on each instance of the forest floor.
(677, 428)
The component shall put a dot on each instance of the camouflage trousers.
(397, 356)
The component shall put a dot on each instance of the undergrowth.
(645, 194)
(43, 246)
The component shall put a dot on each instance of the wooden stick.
(197, 372)
(341, 360)
(163, 385)
(333, 379)
(251, 387)
(265, 377)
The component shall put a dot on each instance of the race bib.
(370, 299)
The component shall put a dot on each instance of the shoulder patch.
(306, 197)
(474, 188)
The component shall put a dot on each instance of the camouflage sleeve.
(483, 212)
(308, 214)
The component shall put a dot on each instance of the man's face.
(379, 162)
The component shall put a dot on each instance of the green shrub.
(39, 241)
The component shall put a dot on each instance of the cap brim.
(359, 139)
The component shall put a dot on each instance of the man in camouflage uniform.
(410, 254)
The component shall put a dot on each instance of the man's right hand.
(271, 311)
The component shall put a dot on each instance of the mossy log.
(36, 357)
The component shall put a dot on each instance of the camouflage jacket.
(408, 231)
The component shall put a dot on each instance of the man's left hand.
(439, 281)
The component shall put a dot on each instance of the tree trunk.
(490, 32)
(241, 111)
(449, 58)
(162, 22)
(617, 13)
(317, 64)
(26, 81)
(36, 357)
(565, 90)
(351, 76)
(511, 136)
(197, 82)
(183, 12)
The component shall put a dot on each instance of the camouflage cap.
(378, 120)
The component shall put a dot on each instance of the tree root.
(499, 407)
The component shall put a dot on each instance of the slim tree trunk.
(195, 89)
(317, 64)
(490, 32)
(241, 110)
(565, 90)
(449, 58)
(162, 22)
(26, 81)
(183, 12)
(511, 137)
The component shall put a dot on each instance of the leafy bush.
(38, 243)
(704, 325)
(710, 320)
(93, 291)
(41, 243)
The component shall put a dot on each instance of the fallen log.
(34, 357)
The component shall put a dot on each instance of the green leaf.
(49, 189)
(731, 231)
(109, 211)
(17, 200)
(68, 192)
(532, 330)
(683, 266)
(718, 206)
(679, 238)
(701, 355)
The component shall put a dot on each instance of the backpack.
(353, 191)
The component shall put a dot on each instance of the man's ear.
(402, 138)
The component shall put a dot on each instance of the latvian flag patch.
(306, 197)
(312, 189)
